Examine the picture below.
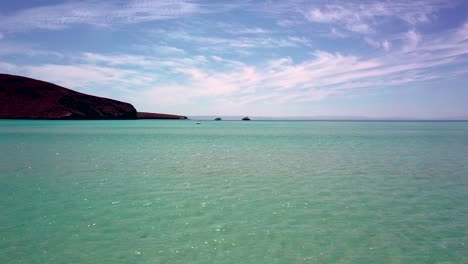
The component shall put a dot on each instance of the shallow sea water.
(233, 192)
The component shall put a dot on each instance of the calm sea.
(233, 192)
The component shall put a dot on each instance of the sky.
(377, 59)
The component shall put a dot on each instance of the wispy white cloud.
(168, 50)
(385, 44)
(181, 80)
(322, 75)
(236, 29)
(462, 72)
(357, 16)
(96, 13)
(9, 68)
(116, 60)
(81, 76)
(158, 49)
(411, 40)
(241, 42)
(14, 48)
(337, 33)
(279, 80)
(289, 22)
(330, 73)
(462, 32)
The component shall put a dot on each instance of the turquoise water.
(233, 192)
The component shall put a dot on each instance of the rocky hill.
(26, 98)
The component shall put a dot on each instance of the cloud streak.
(244, 42)
(361, 17)
(96, 13)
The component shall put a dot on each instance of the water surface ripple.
(233, 192)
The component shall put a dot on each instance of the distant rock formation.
(145, 115)
(218, 119)
(26, 98)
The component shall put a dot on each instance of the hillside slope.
(26, 98)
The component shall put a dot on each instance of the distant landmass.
(26, 98)
(146, 115)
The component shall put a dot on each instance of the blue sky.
(379, 59)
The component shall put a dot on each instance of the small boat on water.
(246, 118)
(218, 119)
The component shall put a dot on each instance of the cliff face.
(25, 98)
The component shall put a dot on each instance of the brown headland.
(27, 98)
